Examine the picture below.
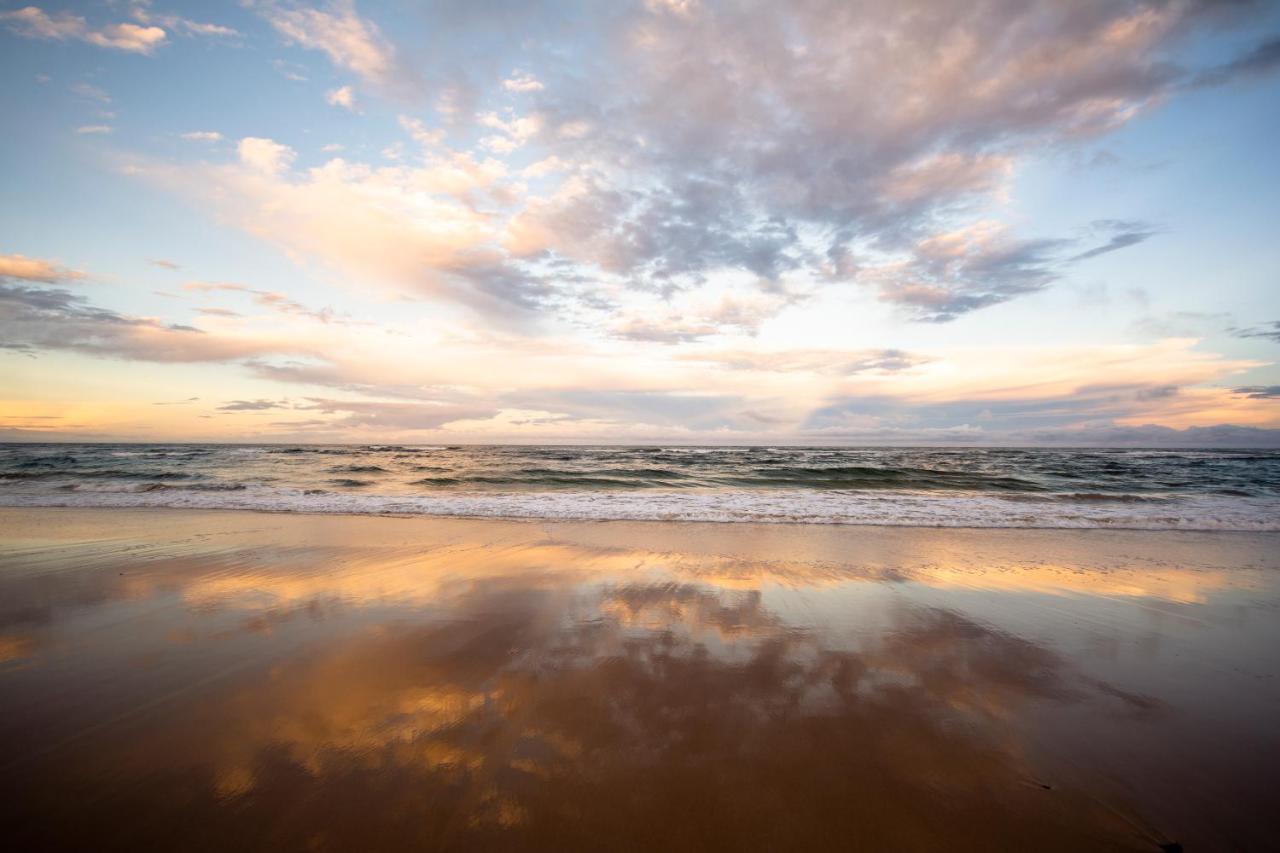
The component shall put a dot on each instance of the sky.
(672, 221)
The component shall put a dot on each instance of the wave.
(884, 508)
(192, 487)
(543, 480)
(835, 477)
(110, 474)
(862, 476)
(1100, 497)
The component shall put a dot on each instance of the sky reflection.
(380, 683)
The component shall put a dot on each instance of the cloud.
(1154, 435)
(690, 411)
(1259, 392)
(33, 22)
(1124, 235)
(832, 362)
(433, 229)
(196, 28)
(947, 275)
(143, 15)
(394, 415)
(253, 405)
(660, 240)
(93, 129)
(351, 42)
(1263, 59)
(272, 299)
(1005, 394)
(341, 97)
(881, 169)
(1144, 436)
(666, 330)
(34, 269)
(130, 37)
(702, 315)
(522, 81)
(796, 149)
(607, 393)
(1268, 331)
(680, 148)
(265, 155)
(950, 274)
(202, 136)
(810, 175)
(1086, 408)
(36, 318)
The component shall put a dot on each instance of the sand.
(228, 680)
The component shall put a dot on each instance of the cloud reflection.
(376, 683)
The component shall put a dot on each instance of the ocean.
(931, 487)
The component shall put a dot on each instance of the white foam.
(912, 509)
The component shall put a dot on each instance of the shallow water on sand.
(223, 680)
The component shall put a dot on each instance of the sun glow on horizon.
(662, 222)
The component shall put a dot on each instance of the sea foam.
(760, 506)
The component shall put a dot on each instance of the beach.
(655, 426)
(215, 679)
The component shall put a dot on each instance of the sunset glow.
(684, 222)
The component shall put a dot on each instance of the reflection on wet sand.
(215, 681)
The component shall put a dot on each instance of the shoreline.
(533, 519)
(1265, 527)
(1169, 564)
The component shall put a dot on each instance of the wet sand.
(223, 680)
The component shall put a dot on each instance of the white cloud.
(812, 176)
(681, 8)
(702, 313)
(522, 81)
(130, 37)
(426, 137)
(198, 29)
(33, 22)
(35, 269)
(94, 129)
(341, 97)
(143, 15)
(546, 166)
(350, 41)
(202, 136)
(265, 155)
(603, 189)
(514, 131)
(433, 228)
(500, 144)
